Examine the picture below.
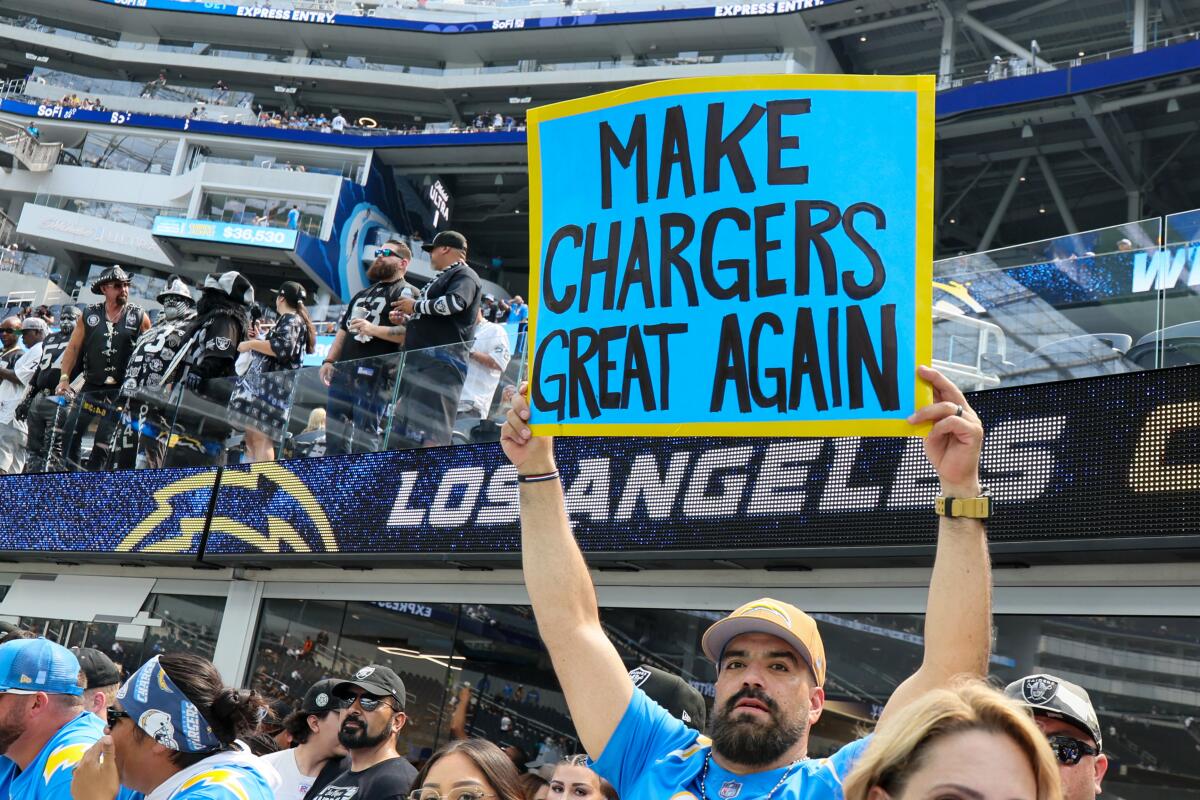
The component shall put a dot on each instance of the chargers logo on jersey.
(64, 758)
(275, 512)
(224, 778)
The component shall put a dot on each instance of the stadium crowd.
(70, 727)
(107, 373)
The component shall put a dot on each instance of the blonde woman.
(964, 743)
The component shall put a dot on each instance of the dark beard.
(382, 272)
(361, 738)
(749, 742)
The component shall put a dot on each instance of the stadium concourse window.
(1143, 673)
(189, 624)
(123, 152)
(127, 213)
(264, 211)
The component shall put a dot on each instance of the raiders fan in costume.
(143, 424)
(40, 408)
(204, 366)
(101, 345)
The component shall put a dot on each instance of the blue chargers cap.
(28, 666)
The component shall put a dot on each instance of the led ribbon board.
(1056, 481)
(732, 256)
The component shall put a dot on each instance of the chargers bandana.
(159, 708)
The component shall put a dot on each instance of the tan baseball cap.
(771, 617)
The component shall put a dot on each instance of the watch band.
(968, 507)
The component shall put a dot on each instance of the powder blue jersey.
(49, 775)
(654, 756)
(225, 781)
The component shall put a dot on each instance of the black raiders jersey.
(153, 353)
(48, 367)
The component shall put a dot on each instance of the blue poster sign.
(734, 256)
(227, 232)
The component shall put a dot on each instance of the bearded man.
(361, 363)
(771, 666)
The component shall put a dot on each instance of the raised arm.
(958, 615)
(593, 678)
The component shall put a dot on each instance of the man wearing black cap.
(374, 714)
(102, 345)
(314, 731)
(103, 680)
(437, 342)
(682, 700)
(360, 366)
(42, 414)
(1065, 715)
(143, 401)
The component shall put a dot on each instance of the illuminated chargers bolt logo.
(267, 508)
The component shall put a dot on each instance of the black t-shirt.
(372, 304)
(388, 780)
(446, 312)
(333, 768)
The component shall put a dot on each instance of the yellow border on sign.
(923, 86)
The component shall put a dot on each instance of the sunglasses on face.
(114, 715)
(365, 701)
(1070, 751)
(384, 252)
(13, 331)
(461, 793)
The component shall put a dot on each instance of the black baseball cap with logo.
(319, 697)
(377, 680)
(1051, 696)
(682, 700)
(447, 239)
(99, 668)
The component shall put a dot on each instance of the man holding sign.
(733, 255)
(771, 663)
(769, 237)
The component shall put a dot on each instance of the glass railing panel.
(1117, 238)
(1055, 319)
(350, 402)
(1178, 269)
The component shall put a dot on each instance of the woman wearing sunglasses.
(173, 732)
(965, 743)
(468, 769)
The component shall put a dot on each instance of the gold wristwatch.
(968, 507)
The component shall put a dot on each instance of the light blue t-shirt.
(226, 781)
(49, 776)
(654, 756)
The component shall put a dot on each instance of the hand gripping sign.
(732, 256)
